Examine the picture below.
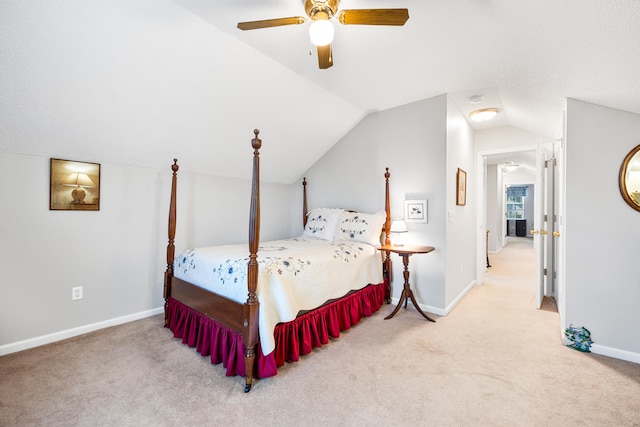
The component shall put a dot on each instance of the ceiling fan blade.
(374, 16)
(325, 57)
(267, 23)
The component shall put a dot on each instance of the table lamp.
(398, 227)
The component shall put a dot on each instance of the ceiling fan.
(321, 30)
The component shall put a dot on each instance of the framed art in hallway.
(461, 188)
(74, 185)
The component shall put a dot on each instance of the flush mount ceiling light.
(510, 167)
(483, 114)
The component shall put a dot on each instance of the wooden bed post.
(250, 334)
(304, 202)
(387, 209)
(171, 249)
(387, 237)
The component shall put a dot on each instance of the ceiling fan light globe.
(321, 32)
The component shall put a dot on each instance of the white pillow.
(361, 227)
(321, 223)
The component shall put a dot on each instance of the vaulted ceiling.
(142, 81)
(524, 56)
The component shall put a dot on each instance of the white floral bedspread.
(294, 274)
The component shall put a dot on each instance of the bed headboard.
(385, 236)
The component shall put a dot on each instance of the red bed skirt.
(295, 338)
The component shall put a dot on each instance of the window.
(515, 207)
(515, 202)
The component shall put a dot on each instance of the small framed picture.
(461, 188)
(415, 210)
(74, 186)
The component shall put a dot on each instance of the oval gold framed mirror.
(629, 178)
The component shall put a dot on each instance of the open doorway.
(510, 209)
(517, 194)
(509, 196)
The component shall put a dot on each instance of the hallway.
(514, 267)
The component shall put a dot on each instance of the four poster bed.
(252, 314)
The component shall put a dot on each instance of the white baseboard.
(603, 350)
(461, 295)
(70, 333)
(437, 310)
(615, 353)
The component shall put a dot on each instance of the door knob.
(556, 233)
(543, 232)
(533, 231)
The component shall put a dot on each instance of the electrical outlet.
(76, 293)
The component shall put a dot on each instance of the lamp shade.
(398, 226)
(79, 178)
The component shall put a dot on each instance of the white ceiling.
(140, 82)
(524, 159)
(525, 57)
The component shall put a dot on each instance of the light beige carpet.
(494, 361)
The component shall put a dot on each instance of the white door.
(549, 225)
(545, 224)
(538, 213)
(558, 230)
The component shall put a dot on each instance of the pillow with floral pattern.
(361, 227)
(321, 223)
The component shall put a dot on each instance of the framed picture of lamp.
(74, 185)
(461, 188)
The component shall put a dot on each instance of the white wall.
(423, 144)
(520, 176)
(411, 141)
(118, 253)
(602, 233)
(493, 215)
(136, 82)
(506, 138)
(461, 220)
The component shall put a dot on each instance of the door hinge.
(544, 272)
(545, 218)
